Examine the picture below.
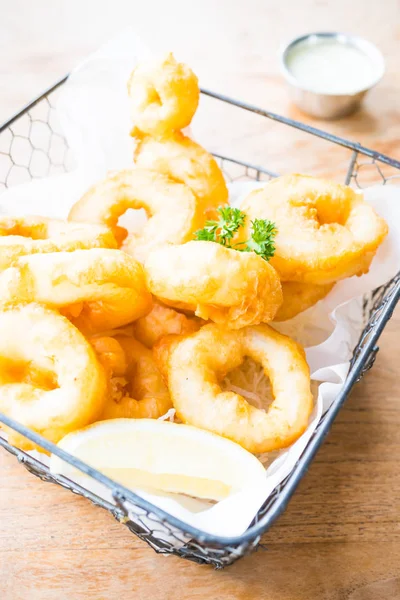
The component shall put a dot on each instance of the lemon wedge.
(162, 456)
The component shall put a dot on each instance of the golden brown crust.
(161, 321)
(97, 289)
(174, 213)
(181, 159)
(298, 297)
(136, 387)
(164, 96)
(50, 378)
(21, 236)
(195, 364)
(231, 288)
(326, 231)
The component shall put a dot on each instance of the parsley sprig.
(263, 233)
(223, 231)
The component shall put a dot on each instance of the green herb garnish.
(262, 242)
(230, 221)
(223, 230)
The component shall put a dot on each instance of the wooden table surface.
(340, 536)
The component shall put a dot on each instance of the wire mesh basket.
(32, 146)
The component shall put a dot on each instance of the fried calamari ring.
(136, 387)
(20, 236)
(50, 378)
(162, 321)
(110, 354)
(297, 297)
(164, 96)
(326, 231)
(231, 288)
(194, 365)
(174, 212)
(180, 158)
(97, 289)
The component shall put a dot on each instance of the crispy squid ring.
(326, 231)
(136, 387)
(174, 212)
(97, 289)
(180, 158)
(297, 297)
(194, 365)
(231, 288)
(110, 354)
(20, 236)
(162, 321)
(50, 378)
(164, 96)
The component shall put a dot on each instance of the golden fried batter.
(297, 297)
(326, 231)
(20, 236)
(163, 320)
(194, 366)
(181, 159)
(231, 288)
(97, 289)
(136, 388)
(173, 210)
(50, 378)
(164, 95)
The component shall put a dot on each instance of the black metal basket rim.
(120, 493)
(354, 146)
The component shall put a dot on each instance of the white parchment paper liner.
(94, 113)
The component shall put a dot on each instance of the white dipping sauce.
(331, 67)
